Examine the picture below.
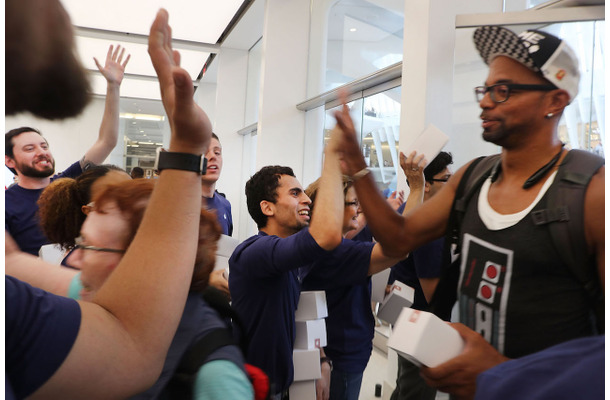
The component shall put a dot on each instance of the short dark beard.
(32, 172)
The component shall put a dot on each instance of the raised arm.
(399, 235)
(327, 222)
(113, 70)
(413, 167)
(127, 329)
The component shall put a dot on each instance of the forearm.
(326, 222)
(109, 128)
(33, 270)
(416, 197)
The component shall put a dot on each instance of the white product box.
(310, 334)
(400, 296)
(303, 390)
(312, 305)
(306, 364)
(226, 245)
(379, 283)
(425, 339)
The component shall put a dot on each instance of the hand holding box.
(424, 339)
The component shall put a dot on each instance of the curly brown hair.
(60, 203)
(131, 197)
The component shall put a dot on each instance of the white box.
(226, 245)
(303, 390)
(306, 364)
(310, 334)
(379, 283)
(425, 339)
(312, 305)
(400, 296)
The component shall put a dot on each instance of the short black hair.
(137, 172)
(437, 165)
(8, 141)
(263, 186)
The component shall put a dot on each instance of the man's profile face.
(31, 156)
(510, 122)
(291, 208)
(43, 74)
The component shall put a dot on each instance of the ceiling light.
(352, 29)
(146, 117)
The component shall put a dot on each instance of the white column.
(229, 117)
(281, 127)
(427, 69)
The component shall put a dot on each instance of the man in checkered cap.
(517, 294)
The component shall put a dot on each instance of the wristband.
(181, 161)
(360, 174)
(328, 361)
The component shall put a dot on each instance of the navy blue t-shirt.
(571, 370)
(265, 285)
(40, 331)
(425, 262)
(21, 213)
(223, 212)
(350, 324)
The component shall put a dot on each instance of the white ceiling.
(197, 29)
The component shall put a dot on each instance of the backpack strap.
(564, 215)
(445, 295)
(182, 382)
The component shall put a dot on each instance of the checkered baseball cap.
(539, 51)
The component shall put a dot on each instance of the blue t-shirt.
(350, 325)
(40, 331)
(425, 262)
(21, 213)
(571, 370)
(266, 272)
(223, 212)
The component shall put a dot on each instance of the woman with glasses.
(350, 324)
(109, 228)
(63, 205)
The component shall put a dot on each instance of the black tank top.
(514, 288)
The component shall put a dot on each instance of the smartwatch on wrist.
(182, 161)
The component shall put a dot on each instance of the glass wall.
(363, 37)
(377, 121)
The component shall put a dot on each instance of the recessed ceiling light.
(352, 29)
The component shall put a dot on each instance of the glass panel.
(582, 125)
(253, 85)
(377, 121)
(363, 37)
(381, 132)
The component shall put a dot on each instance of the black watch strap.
(328, 361)
(182, 161)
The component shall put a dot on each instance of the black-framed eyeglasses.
(80, 245)
(500, 92)
(439, 179)
(354, 203)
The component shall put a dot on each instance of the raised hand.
(413, 167)
(191, 128)
(114, 69)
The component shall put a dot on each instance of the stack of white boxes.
(310, 337)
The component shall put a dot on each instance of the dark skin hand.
(458, 376)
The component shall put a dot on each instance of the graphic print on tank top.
(484, 288)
